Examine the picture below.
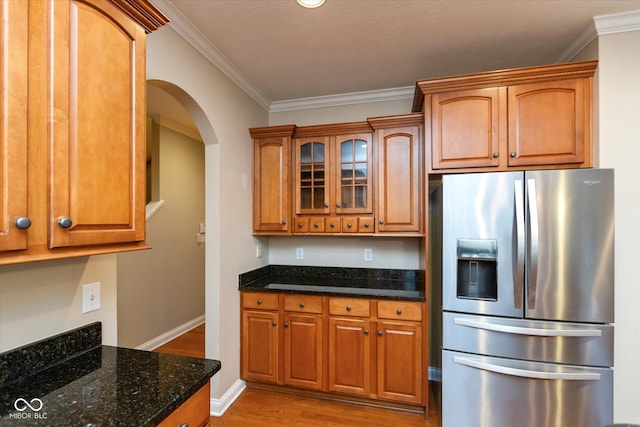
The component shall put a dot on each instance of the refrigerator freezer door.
(554, 342)
(483, 241)
(570, 223)
(485, 391)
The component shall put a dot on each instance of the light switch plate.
(90, 297)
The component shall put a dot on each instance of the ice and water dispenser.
(477, 269)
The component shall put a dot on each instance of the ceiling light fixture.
(310, 4)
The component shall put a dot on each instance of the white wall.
(619, 148)
(42, 299)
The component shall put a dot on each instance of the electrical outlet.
(299, 253)
(258, 250)
(90, 297)
(368, 254)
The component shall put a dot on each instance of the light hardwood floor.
(261, 408)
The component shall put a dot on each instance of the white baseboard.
(172, 334)
(219, 406)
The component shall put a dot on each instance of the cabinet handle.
(274, 323)
(316, 225)
(366, 332)
(496, 154)
(379, 333)
(366, 225)
(23, 223)
(348, 308)
(332, 225)
(381, 222)
(299, 225)
(326, 205)
(284, 222)
(399, 312)
(184, 425)
(301, 305)
(259, 301)
(349, 225)
(513, 154)
(337, 205)
(65, 222)
(286, 324)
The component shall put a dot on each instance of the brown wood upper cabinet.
(76, 177)
(271, 179)
(525, 118)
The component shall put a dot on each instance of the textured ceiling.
(288, 52)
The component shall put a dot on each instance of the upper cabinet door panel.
(547, 122)
(271, 195)
(97, 117)
(13, 123)
(353, 174)
(312, 163)
(465, 129)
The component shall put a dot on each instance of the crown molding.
(203, 45)
(343, 99)
(586, 37)
(617, 22)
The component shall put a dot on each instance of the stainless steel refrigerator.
(527, 299)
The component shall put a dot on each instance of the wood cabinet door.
(549, 123)
(13, 123)
(400, 361)
(271, 194)
(353, 175)
(465, 129)
(260, 346)
(350, 356)
(303, 351)
(399, 177)
(96, 125)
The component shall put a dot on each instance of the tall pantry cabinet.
(73, 139)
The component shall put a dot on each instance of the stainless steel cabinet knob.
(348, 308)
(316, 225)
(299, 225)
(286, 324)
(301, 305)
(366, 332)
(337, 205)
(23, 223)
(65, 222)
(379, 333)
(513, 154)
(349, 225)
(366, 225)
(496, 154)
(259, 301)
(284, 222)
(274, 323)
(381, 222)
(399, 311)
(326, 205)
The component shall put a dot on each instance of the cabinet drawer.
(260, 300)
(303, 303)
(365, 225)
(301, 224)
(355, 307)
(400, 310)
(193, 412)
(317, 224)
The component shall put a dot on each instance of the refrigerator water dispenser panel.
(477, 275)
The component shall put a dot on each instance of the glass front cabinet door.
(312, 173)
(353, 180)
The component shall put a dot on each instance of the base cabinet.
(194, 412)
(360, 347)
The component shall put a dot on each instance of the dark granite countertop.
(359, 282)
(102, 386)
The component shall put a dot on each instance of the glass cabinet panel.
(354, 183)
(311, 176)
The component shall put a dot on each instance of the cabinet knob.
(513, 154)
(379, 333)
(496, 154)
(332, 225)
(274, 323)
(381, 222)
(337, 205)
(349, 225)
(348, 308)
(301, 305)
(23, 223)
(284, 222)
(326, 205)
(366, 332)
(65, 222)
(259, 301)
(399, 312)
(299, 225)
(366, 225)
(316, 225)
(286, 324)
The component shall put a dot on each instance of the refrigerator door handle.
(519, 330)
(526, 373)
(533, 239)
(518, 284)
